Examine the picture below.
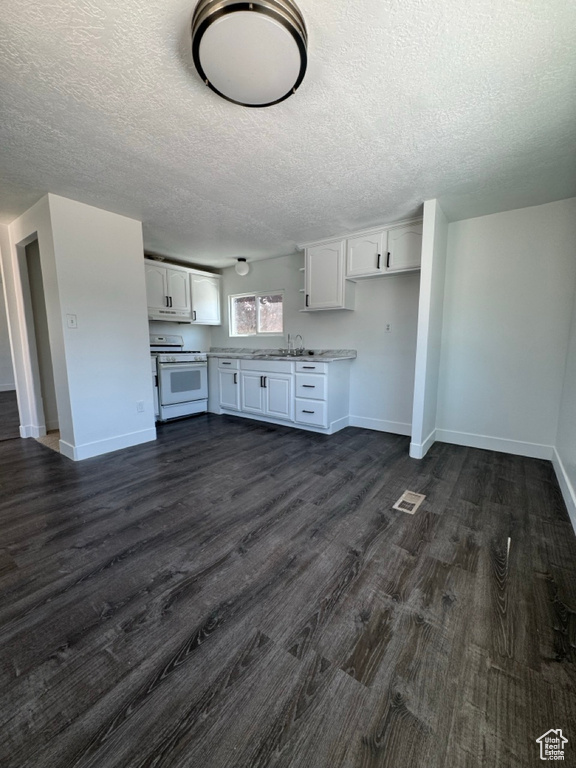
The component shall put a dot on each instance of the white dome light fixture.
(253, 54)
(242, 267)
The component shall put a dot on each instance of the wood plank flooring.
(242, 595)
(9, 418)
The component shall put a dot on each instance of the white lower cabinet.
(312, 412)
(252, 397)
(310, 394)
(229, 389)
(268, 394)
(228, 385)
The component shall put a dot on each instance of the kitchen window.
(257, 314)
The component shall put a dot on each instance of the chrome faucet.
(301, 345)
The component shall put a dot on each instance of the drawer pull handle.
(235, 378)
(309, 367)
(303, 411)
(226, 363)
(309, 386)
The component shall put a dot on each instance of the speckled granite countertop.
(318, 355)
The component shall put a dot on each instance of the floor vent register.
(409, 502)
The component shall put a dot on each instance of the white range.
(180, 378)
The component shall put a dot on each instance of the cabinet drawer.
(266, 366)
(312, 412)
(311, 386)
(228, 364)
(311, 367)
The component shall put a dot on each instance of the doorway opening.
(9, 415)
(39, 343)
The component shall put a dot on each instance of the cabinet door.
(252, 392)
(179, 289)
(229, 390)
(156, 287)
(279, 396)
(366, 255)
(325, 275)
(205, 299)
(404, 248)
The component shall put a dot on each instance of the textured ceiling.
(471, 101)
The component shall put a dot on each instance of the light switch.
(71, 321)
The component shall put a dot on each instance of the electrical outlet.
(387, 328)
(140, 406)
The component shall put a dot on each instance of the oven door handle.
(180, 366)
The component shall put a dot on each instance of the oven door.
(182, 382)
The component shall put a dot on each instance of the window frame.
(256, 295)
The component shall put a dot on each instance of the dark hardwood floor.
(9, 418)
(241, 595)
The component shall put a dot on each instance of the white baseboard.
(381, 425)
(419, 450)
(31, 430)
(97, 448)
(487, 443)
(7, 387)
(568, 492)
(336, 426)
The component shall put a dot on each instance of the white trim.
(488, 443)
(381, 425)
(7, 387)
(568, 492)
(31, 430)
(335, 426)
(419, 450)
(97, 448)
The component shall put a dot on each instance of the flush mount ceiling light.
(241, 267)
(253, 54)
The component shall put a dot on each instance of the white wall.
(6, 367)
(100, 271)
(383, 373)
(508, 301)
(194, 336)
(92, 267)
(565, 453)
(430, 315)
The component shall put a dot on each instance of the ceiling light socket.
(253, 54)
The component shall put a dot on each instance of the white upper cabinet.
(366, 255)
(156, 287)
(205, 291)
(178, 289)
(332, 267)
(182, 295)
(404, 248)
(167, 292)
(325, 277)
